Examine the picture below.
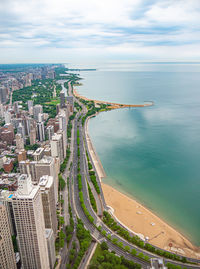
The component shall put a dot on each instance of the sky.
(61, 31)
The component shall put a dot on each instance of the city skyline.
(92, 31)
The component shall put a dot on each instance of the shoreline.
(137, 217)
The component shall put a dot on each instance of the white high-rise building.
(50, 131)
(40, 117)
(48, 201)
(29, 220)
(7, 256)
(1, 110)
(36, 110)
(21, 130)
(57, 149)
(7, 117)
(63, 118)
(19, 141)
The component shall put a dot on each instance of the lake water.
(152, 153)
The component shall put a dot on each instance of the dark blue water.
(152, 154)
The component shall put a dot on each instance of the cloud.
(145, 29)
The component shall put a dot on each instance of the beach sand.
(138, 218)
(141, 220)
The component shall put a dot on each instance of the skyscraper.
(30, 106)
(50, 131)
(27, 208)
(48, 201)
(36, 110)
(51, 247)
(63, 127)
(40, 131)
(21, 130)
(7, 117)
(16, 107)
(62, 99)
(32, 135)
(7, 256)
(57, 149)
(19, 141)
(3, 94)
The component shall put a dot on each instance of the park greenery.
(92, 199)
(90, 218)
(60, 240)
(113, 225)
(31, 147)
(64, 164)
(103, 258)
(79, 182)
(41, 93)
(84, 239)
(61, 182)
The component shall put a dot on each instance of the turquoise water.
(152, 154)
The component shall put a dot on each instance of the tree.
(104, 246)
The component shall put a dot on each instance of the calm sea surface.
(152, 154)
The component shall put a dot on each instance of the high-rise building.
(3, 94)
(48, 166)
(16, 107)
(27, 208)
(49, 203)
(63, 127)
(19, 141)
(36, 110)
(40, 117)
(32, 135)
(7, 256)
(70, 104)
(62, 99)
(7, 117)
(1, 110)
(21, 156)
(21, 130)
(57, 149)
(40, 131)
(38, 154)
(30, 107)
(50, 131)
(51, 247)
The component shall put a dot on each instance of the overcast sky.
(99, 30)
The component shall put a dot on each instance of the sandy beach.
(141, 220)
